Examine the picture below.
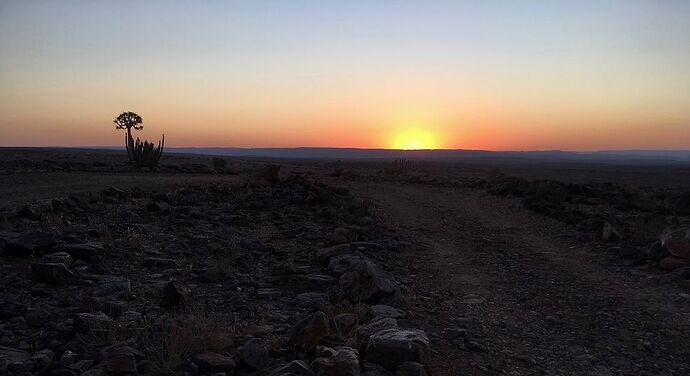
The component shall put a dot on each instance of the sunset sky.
(498, 75)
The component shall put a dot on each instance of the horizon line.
(100, 147)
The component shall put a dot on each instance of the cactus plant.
(144, 153)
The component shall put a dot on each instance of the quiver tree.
(141, 154)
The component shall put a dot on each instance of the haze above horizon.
(498, 75)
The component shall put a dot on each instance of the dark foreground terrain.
(366, 268)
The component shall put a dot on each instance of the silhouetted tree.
(129, 120)
(140, 153)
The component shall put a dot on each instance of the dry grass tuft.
(173, 341)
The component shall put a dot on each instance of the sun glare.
(415, 139)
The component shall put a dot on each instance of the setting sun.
(415, 139)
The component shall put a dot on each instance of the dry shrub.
(172, 342)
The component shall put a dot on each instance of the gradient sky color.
(518, 75)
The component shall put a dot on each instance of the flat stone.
(344, 362)
(392, 347)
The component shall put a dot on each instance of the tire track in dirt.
(501, 290)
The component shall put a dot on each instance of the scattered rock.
(10, 309)
(58, 258)
(43, 359)
(54, 274)
(344, 362)
(325, 254)
(366, 331)
(677, 242)
(610, 233)
(361, 279)
(392, 347)
(15, 361)
(314, 300)
(210, 362)
(90, 252)
(373, 369)
(29, 213)
(410, 369)
(254, 354)
(175, 294)
(381, 311)
(96, 324)
(30, 242)
(672, 262)
(294, 368)
(345, 322)
(112, 287)
(307, 333)
(121, 360)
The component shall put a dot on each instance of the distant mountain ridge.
(678, 156)
(652, 157)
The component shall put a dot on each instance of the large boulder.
(392, 347)
(309, 332)
(344, 362)
(677, 242)
(361, 280)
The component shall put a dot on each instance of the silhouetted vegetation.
(399, 167)
(140, 153)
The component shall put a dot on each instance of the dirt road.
(503, 291)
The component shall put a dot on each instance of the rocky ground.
(210, 267)
(280, 278)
